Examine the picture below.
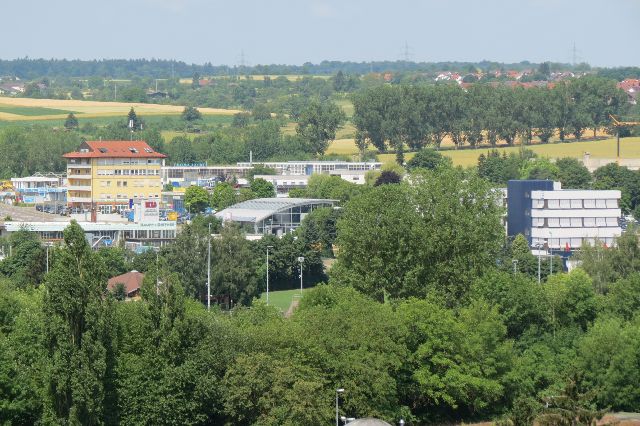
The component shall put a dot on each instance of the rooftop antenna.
(575, 55)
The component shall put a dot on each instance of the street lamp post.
(301, 260)
(209, 270)
(338, 392)
(538, 246)
(268, 247)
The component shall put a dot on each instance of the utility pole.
(407, 54)
(209, 270)
(538, 246)
(268, 247)
(301, 260)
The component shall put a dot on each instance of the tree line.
(162, 68)
(392, 117)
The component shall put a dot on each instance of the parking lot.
(29, 214)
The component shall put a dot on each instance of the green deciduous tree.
(27, 263)
(196, 199)
(191, 114)
(318, 123)
(233, 274)
(71, 122)
(78, 336)
(457, 360)
(412, 239)
(573, 174)
(429, 159)
(224, 195)
(262, 189)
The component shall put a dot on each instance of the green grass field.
(33, 111)
(280, 299)
(346, 105)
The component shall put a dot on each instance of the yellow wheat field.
(629, 148)
(94, 109)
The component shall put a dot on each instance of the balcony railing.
(72, 176)
(79, 199)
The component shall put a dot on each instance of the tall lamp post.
(301, 260)
(47, 258)
(209, 270)
(338, 392)
(538, 247)
(268, 247)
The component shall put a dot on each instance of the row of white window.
(127, 161)
(559, 244)
(576, 204)
(126, 197)
(574, 222)
(136, 183)
(129, 172)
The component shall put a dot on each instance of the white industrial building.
(101, 234)
(562, 219)
(313, 167)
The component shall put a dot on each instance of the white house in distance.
(40, 189)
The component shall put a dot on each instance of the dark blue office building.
(519, 205)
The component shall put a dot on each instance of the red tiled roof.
(114, 149)
(630, 83)
(132, 282)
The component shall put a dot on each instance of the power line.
(575, 55)
(407, 53)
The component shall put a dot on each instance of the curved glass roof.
(261, 208)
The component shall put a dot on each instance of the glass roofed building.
(272, 215)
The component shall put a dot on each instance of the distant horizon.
(598, 32)
(452, 61)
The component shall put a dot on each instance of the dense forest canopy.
(424, 318)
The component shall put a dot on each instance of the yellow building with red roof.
(103, 176)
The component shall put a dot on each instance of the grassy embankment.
(281, 299)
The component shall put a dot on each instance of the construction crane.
(618, 124)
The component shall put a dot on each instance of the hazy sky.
(606, 32)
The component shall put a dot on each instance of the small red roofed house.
(631, 87)
(132, 281)
(514, 74)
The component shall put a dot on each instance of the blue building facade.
(519, 205)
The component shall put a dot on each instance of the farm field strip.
(87, 109)
(629, 148)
